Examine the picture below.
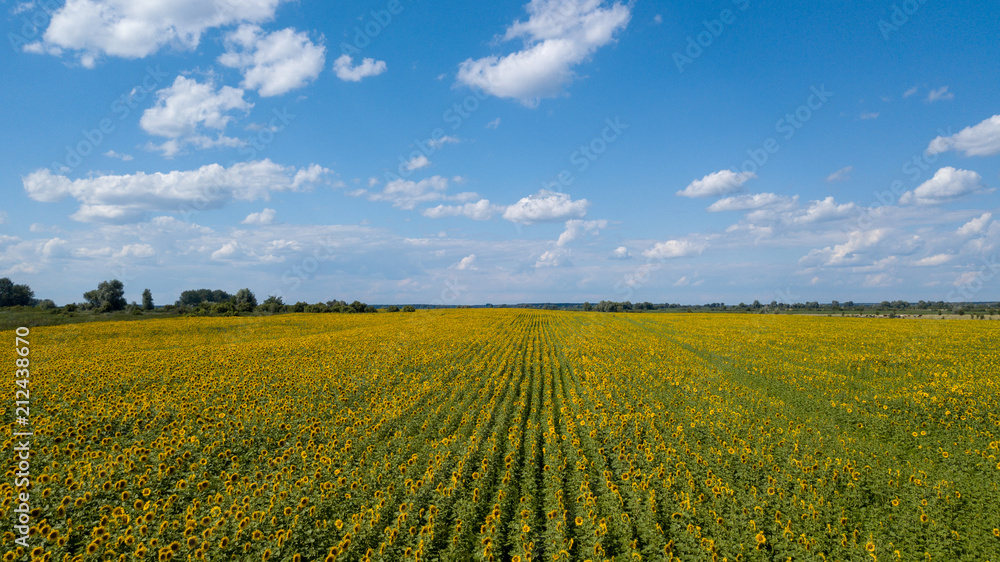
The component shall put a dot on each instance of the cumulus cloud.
(416, 163)
(842, 174)
(752, 201)
(273, 63)
(468, 262)
(675, 249)
(620, 253)
(135, 251)
(939, 94)
(975, 226)
(936, 259)
(858, 245)
(576, 228)
(947, 184)
(557, 257)
(138, 28)
(123, 157)
(127, 198)
(825, 210)
(262, 218)
(186, 109)
(979, 140)
(480, 210)
(546, 206)
(718, 183)
(349, 73)
(558, 35)
(407, 194)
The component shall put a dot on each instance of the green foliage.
(14, 295)
(108, 297)
(198, 296)
(245, 300)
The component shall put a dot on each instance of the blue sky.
(396, 151)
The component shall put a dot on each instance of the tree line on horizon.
(109, 296)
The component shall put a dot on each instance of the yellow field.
(511, 435)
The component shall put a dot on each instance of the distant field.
(511, 435)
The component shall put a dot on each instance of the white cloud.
(138, 28)
(557, 257)
(910, 92)
(406, 194)
(3, 217)
(262, 218)
(493, 124)
(136, 251)
(941, 93)
(416, 163)
(859, 244)
(228, 250)
(438, 143)
(126, 198)
(880, 280)
(54, 248)
(827, 209)
(368, 67)
(975, 226)
(675, 249)
(273, 63)
(186, 108)
(576, 228)
(869, 115)
(468, 262)
(967, 278)
(546, 206)
(718, 183)
(979, 140)
(842, 174)
(558, 35)
(752, 201)
(946, 185)
(682, 282)
(620, 253)
(480, 210)
(123, 157)
(936, 259)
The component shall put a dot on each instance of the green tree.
(588, 307)
(147, 300)
(271, 304)
(245, 300)
(15, 295)
(409, 308)
(198, 296)
(108, 297)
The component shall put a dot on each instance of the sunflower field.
(509, 435)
